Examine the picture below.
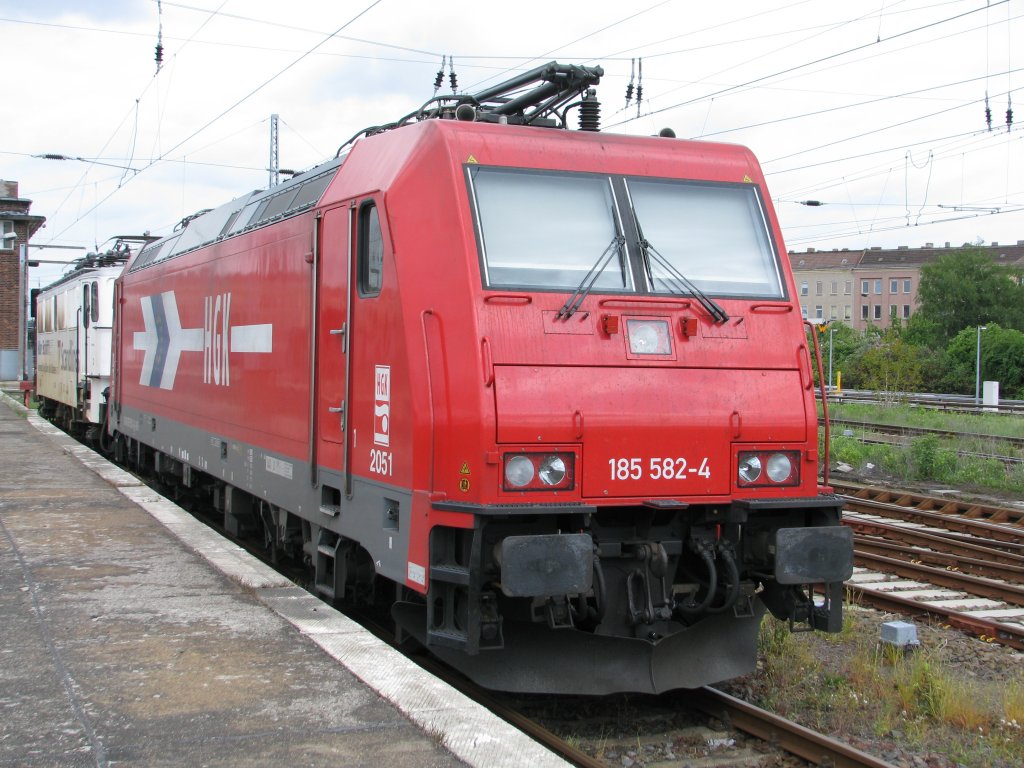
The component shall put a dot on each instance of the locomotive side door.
(335, 237)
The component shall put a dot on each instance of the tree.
(1002, 360)
(887, 364)
(965, 289)
(922, 331)
(891, 366)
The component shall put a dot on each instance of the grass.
(852, 685)
(929, 418)
(930, 458)
(1013, 705)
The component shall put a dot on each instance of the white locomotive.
(74, 327)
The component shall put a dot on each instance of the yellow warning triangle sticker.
(465, 468)
(472, 160)
(747, 179)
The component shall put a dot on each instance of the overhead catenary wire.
(841, 107)
(818, 60)
(124, 180)
(233, 106)
(975, 134)
(890, 52)
(892, 228)
(940, 212)
(954, 148)
(871, 132)
(735, 65)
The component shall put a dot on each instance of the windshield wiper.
(718, 315)
(575, 301)
(715, 310)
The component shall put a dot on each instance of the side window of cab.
(370, 251)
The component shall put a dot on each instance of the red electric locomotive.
(552, 384)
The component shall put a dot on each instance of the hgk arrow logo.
(163, 339)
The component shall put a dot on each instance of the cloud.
(746, 72)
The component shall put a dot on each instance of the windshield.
(545, 230)
(714, 234)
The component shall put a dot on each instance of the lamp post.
(977, 368)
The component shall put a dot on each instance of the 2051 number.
(381, 462)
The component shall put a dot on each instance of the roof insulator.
(590, 112)
(439, 77)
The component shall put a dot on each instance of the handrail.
(824, 399)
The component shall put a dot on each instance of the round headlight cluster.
(539, 471)
(768, 468)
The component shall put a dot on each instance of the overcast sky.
(876, 109)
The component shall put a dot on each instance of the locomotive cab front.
(645, 481)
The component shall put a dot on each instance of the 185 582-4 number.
(657, 468)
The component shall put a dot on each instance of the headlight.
(540, 471)
(779, 467)
(552, 470)
(750, 468)
(648, 337)
(518, 471)
(767, 469)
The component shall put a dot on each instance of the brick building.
(871, 287)
(17, 225)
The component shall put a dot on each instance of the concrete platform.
(130, 634)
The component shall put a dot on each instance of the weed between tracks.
(954, 701)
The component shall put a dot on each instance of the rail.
(896, 429)
(792, 737)
(977, 518)
(784, 734)
(956, 403)
(983, 560)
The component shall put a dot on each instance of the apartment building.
(874, 286)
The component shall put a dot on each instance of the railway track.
(955, 403)
(960, 562)
(896, 429)
(672, 729)
(901, 503)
